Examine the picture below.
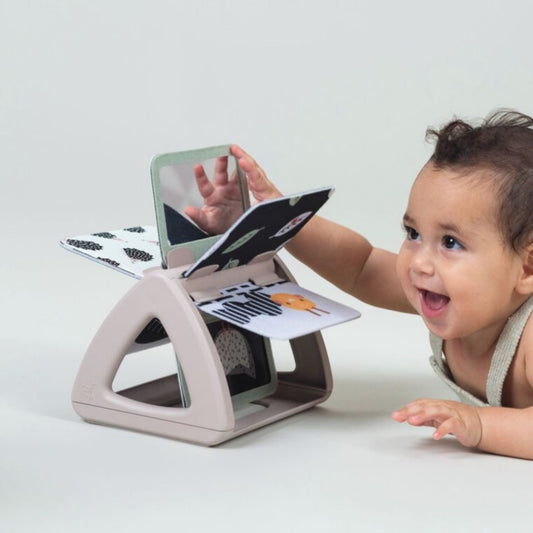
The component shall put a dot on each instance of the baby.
(465, 266)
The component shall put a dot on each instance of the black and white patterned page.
(128, 250)
(265, 227)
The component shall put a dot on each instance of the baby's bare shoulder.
(525, 350)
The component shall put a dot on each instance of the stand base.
(289, 399)
(208, 416)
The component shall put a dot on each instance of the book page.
(265, 227)
(279, 311)
(128, 250)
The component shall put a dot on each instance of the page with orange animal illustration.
(279, 311)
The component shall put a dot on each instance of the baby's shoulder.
(525, 349)
(518, 387)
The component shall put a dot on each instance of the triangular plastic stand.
(156, 407)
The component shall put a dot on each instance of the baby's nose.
(422, 262)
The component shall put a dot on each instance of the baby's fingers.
(467, 434)
(449, 418)
(415, 413)
(220, 177)
(451, 426)
(205, 187)
(260, 186)
(428, 412)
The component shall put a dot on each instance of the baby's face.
(454, 266)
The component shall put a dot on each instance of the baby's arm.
(507, 431)
(498, 430)
(349, 261)
(335, 252)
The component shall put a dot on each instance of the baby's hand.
(222, 196)
(258, 183)
(454, 418)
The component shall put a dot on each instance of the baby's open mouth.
(434, 301)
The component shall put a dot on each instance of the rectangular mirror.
(175, 188)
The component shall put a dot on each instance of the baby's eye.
(412, 234)
(451, 243)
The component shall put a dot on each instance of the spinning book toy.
(217, 300)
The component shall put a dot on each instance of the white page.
(128, 250)
(258, 309)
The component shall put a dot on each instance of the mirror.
(176, 194)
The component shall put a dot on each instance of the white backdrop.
(320, 92)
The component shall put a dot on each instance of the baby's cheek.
(402, 268)
(402, 271)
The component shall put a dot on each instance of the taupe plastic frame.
(210, 418)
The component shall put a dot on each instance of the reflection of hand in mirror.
(222, 196)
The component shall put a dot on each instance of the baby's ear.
(525, 285)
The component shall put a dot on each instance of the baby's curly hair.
(503, 145)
